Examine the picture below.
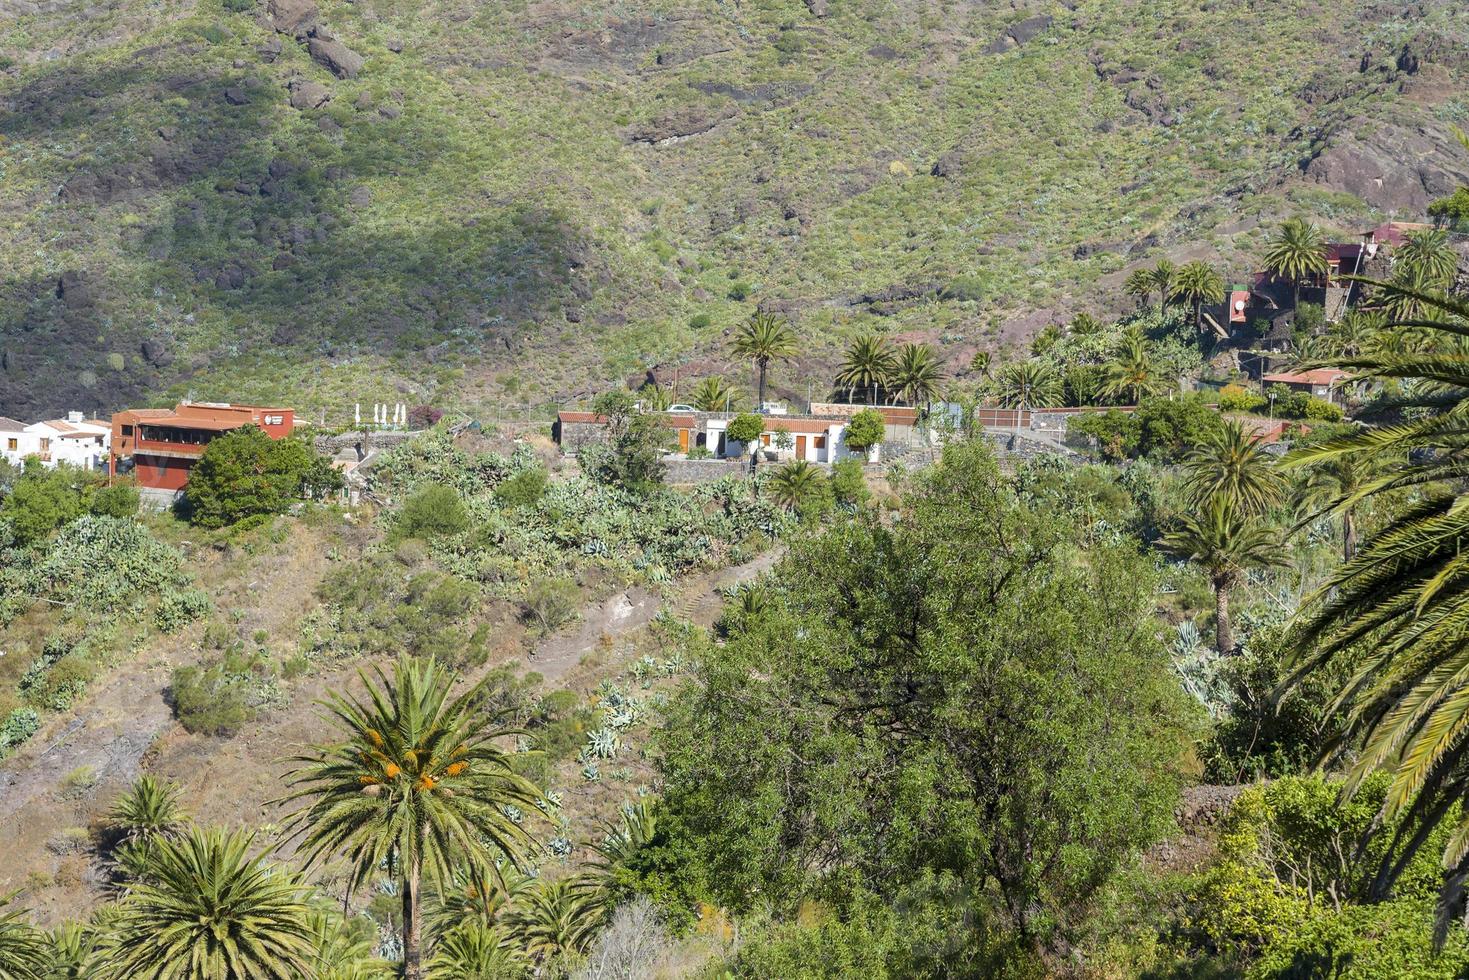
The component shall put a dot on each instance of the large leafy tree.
(867, 366)
(1226, 541)
(969, 688)
(207, 910)
(1402, 602)
(245, 472)
(1197, 284)
(632, 455)
(1296, 252)
(916, 374)
(765, 338)
(1232, 462)
(419, 783)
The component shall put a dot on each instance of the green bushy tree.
(245, 473)
(973, 723)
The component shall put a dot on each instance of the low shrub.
(432, 511)
(550, 602)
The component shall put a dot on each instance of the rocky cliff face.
(319, 201)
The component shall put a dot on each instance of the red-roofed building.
(159, 446)
(1321, 383)
(575, 429)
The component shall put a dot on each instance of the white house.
(816, 440)
(15, 444)
(74, 440)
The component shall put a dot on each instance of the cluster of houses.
(817, 435)
(157, 447)
(1263, 312)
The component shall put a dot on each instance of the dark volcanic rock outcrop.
(1390, 167)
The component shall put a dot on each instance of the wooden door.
(683, 440)
(800, 447)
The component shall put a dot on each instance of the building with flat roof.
(159, 446)
(75, 440)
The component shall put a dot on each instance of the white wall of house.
(16, 445)
(76, 442)
(824, 445)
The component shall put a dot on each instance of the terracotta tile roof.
(10, 425)
(801, 426)
(1319, 376)
(592, 418)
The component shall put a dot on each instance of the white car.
(682, 408)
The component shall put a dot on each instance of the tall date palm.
(419, 784)
(1233, 462)
(1296, 252)
(1400, 606)
(867, 366)
(764, 338)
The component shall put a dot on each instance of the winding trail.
(125, 726)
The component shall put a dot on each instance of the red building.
(159, 446)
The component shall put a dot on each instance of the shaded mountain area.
(507, 206)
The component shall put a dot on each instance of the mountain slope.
(507, 206)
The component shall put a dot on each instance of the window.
(821, 442)
(45, 445)
(12, 444)
(127, 431)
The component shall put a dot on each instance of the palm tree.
(24, 953)
(554, 919)
(1139, 285)
(867, 366)
(655, 397)
(1162, 276)
(1133, 375)
(1296, 252)
(208, 911)
(713, 395)
(473, 895)
(1428, 258)
(1225, 541)
(76, 952)
(1233, 463)
(916, 374)
(1398, 607)
(1334, 485)
(980, 363)
(419, 782)
(765, 338)
(1085, 325)
(150, 808)
(1025, 384)
(1198, 283)
(474, 951)
(793, 485)
(1353, 333)
(338, 953)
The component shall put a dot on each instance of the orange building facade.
(159, 446)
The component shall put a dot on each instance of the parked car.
(681, 407)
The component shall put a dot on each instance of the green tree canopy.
(865, 430)
(970, 689)
(245, 472)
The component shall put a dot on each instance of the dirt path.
(698, 599)
(126, 720)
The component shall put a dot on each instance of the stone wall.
(686, 472)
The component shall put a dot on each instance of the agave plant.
(207, 911)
